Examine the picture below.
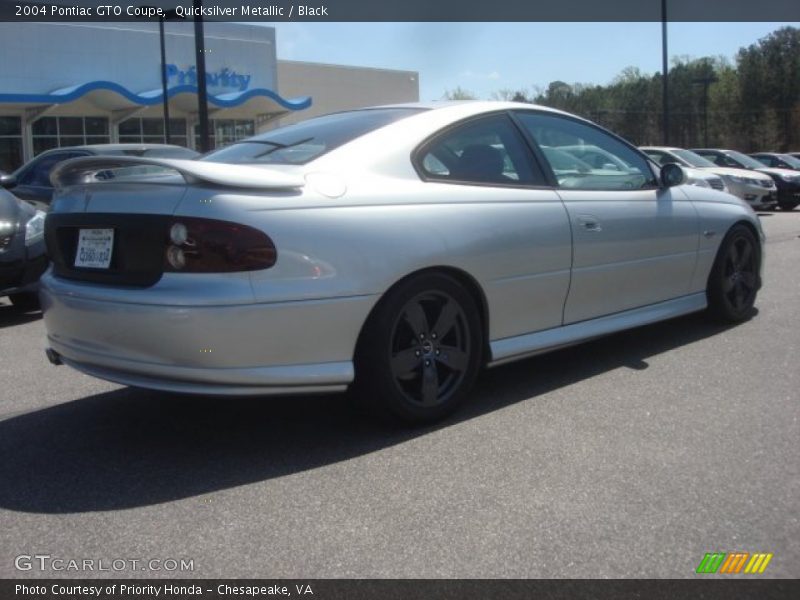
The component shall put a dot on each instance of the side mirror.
(672, 175)
(7, 180)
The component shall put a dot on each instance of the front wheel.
(421, 350)
(734, 281)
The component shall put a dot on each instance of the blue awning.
(112, 96)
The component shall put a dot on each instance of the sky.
(487, 57)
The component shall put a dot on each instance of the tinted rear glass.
(302, 142)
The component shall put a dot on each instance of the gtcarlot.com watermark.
(57, 564)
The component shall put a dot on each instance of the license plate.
(94, 248)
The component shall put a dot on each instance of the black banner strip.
(400, 589)
(406, 10)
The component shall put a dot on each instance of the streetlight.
(706, 83)
(200, 60)
(664, 74)
(170, 14)
(164, 16)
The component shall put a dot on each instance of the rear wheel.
(26, 301)
(421, 350)
(788, 204)
(733, 282)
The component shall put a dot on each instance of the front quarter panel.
(718, 212)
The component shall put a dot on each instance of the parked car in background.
(600, 159)
(759, 191)
(778, 160)
(399, 249)
(22, 251)
(31, 182)
(786, 180)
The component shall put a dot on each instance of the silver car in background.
(600, 159)
(757, 189)
(397, 249)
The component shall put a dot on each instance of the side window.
(489, 150)
(715, 158)
(572, 150)
(660, 157)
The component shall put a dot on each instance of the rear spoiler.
(83, 170)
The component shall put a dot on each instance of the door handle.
(589, 223)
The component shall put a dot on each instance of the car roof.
(100, 148)
(474, 106)
(118, 147)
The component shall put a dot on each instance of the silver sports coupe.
(398, 248)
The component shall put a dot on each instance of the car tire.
(788, 205)
(734, 279)
(26, 301)
(405, 368)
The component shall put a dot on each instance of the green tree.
(459, 94)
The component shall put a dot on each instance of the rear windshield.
(302, 142)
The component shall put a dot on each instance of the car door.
(33, 181)
(511, 229)
(634, 243)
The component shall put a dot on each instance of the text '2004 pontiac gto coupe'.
(399, 248)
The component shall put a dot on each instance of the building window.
(225, 131)
(10, 143)
(60, 132)
(151, 131)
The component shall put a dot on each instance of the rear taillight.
(209, 246)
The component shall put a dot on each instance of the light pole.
(664, 75)
(200, 60)
(706, 83)
(164, 16)
(165, 99)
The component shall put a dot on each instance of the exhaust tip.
(53, 356)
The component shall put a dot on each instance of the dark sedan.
(778, 160)
(22, 251)
(31, 181)
(786, 180)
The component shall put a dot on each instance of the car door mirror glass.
(672, 175)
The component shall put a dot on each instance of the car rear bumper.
(239, 349)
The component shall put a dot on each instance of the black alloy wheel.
(734, 281)
(421, 350)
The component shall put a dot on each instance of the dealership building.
(71, 84)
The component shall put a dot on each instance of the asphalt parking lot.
(631, 456)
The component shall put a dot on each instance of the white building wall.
(335, 88)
